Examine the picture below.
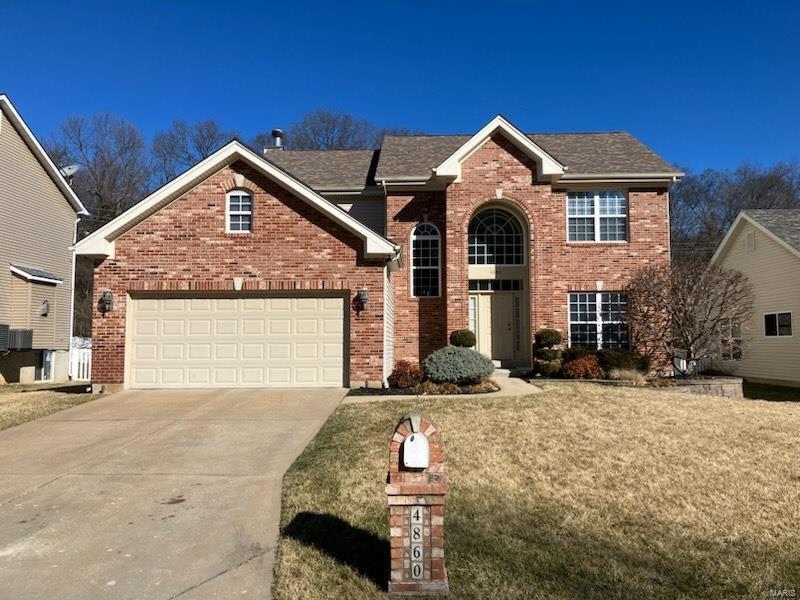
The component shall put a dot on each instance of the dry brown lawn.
(22, 403)
(581, 491)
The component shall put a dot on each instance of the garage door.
(235, 342)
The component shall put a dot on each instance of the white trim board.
(28, 277)
(548, 165)
(7, 109)
(101, 242)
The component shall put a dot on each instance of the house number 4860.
(417, 552)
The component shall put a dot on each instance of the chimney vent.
(277, 136)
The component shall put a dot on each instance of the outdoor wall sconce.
(361, 300)
(106, 302)
(44, 309)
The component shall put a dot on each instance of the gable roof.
(329, 169)
(16, 120)
(101, 242)
(34, 274)
(781, 224)
(613, 153)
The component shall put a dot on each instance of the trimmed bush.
(547, 354)
(405, 375)
(547, 338)
(454, 364)
(620, 358)
(463, 338)
(576, 352)
(587, 367)
(548, 368)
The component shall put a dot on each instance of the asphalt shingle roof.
(783, 222)
(328, 168)
(414, 156)
(34, 272)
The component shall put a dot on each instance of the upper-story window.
(239, 212)
(597, 216)
(425, 260)
(778, 324)
(495, 238)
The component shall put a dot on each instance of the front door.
(495, 318)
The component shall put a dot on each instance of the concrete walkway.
(151, 494)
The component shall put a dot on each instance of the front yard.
(21, 403)
(581, 491)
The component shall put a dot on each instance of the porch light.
(106, 302)
(44, 308)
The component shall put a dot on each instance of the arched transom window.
(425, 260)
(495, 238)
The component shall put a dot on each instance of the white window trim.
(599, 322)
(776, 313)
(597, 217)
(412, 268)
(228, 212)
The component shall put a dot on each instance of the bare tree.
(686, 310)
(329, 130)
(703, 205)
(114, 171)
(184, 144)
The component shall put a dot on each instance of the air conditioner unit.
(20, 339)
(3, 337)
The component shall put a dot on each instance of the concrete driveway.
(156, 494)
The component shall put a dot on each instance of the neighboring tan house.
(765, 246)
(321, 268)
(39, 212)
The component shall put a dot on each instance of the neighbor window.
(495, 238)
(598, 320)
(731, 340)
(597, 216)
(778, 324)
(239, 214)
(425, 260)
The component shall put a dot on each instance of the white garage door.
(235, 342)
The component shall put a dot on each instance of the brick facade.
(184, 248)
(500, 173)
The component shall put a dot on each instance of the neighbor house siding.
(184, 249)
(774, 273)
(39, 226)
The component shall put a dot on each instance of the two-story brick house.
(324, 267)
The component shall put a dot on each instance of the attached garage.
(235, 342)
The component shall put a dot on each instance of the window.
(597, 217)
(731, 341)
(495, 285)
(778, 324)
(239, 216)
(425, 261)
(598, 320)
(495, 238)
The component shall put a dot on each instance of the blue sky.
(706, 84)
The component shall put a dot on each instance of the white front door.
(235, 342)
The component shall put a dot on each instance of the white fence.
(80, 359)
(701, 365)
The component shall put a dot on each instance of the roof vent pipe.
(277, 136)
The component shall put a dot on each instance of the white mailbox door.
(416, 453)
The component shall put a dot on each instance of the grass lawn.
(581, 491)
(21, 403)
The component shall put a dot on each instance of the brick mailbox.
(416, 488)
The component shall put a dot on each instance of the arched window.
(495, 238)
(239, 212)
(425, 260)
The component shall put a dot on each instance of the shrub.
(546, 338)
(620, 358)
(405, 374)
(576, 352)
(587, 367)
(548, 368)
(463, 338)
(457, 365)
(547, 354)
(630, 375)
(429, 388)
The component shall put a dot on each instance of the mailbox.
(416, 451)
(416, 487)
